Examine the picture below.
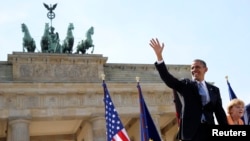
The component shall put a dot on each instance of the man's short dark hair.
(199, 60)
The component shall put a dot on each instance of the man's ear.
(206, 69)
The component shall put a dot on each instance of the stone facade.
(59, 97)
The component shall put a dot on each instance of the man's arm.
(219, 110)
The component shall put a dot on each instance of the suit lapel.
(210, 90)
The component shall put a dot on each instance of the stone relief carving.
(58, 71)
(87, 100)
(92, 100)
(31, 102)
(69, 101)
(10, 101)
(51, 101)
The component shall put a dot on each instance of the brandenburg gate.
(59, 97)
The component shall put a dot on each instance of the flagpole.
(144, 133)
(143, 118)
(226, 78)
(137, 79)
(103, 78)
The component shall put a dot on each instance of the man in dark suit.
(199, 104)
(247, 115)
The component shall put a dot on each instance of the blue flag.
(231, 92)
(232, 95)
(147, 126)
(115, 129)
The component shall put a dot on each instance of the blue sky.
(217, 31)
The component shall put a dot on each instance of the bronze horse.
(28, 42)
(45, 41)
(84, 45)
(68, 42)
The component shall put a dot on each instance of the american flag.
(115, 130)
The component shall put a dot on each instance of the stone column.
(99, 128)
(19, 125)
(86, 132)
(19, 130)
(8, 132)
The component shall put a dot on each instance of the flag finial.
(137, 79)
(103, 76)
(226, 77)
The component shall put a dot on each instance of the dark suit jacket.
(192, 109)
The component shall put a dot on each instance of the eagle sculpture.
(50, 8)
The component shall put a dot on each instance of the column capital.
(15, 114)
(13, 121)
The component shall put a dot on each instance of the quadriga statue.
(50, 42)
(28, 42)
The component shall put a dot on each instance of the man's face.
(198, 70)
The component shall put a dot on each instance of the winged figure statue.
(50, 8)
